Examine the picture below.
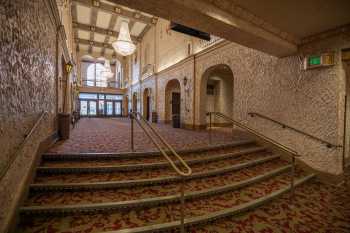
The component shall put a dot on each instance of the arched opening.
(173, 103)
(147, 103)
(216, 93)
(134, 102)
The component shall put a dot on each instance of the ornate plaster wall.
(312, 100)
(27, 88)
(280, 89)
(179, 72)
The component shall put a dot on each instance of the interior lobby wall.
(28, 87)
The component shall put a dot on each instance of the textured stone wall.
(311, 101)
(178, 72)
(280, 89)
(27, 88)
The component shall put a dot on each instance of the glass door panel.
(101, 107)
(83, 108)
(92, 108)
(109, 108)
(118, 108)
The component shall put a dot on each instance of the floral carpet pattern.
(113, 135)
(315, 207)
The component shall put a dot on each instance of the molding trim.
(56, 21)
(345, 29)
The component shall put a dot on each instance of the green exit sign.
(315, 61)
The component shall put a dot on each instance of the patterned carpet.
(315, 208)
(113, 135)
(123, 194)
(141, 174)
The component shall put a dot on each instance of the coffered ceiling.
(96, 24)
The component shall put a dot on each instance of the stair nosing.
(154, 200)
(123, 155)
(131, 167)
(142, 182)
(239, 209)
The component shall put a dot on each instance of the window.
(91, 73)
(87, 96)
(101, 80)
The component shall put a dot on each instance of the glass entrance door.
(109, 108)
(92, 108)
(83, 108)
(118, 108)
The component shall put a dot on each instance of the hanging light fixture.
(123, 45)
(107, 71)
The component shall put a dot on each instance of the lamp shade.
(123, 45)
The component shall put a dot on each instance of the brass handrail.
(257, 134)
(328, 144)
(281, 147)
(170, 148)
(21, 145)
(183, 174)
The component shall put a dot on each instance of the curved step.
(131, 167)
(239, 209)
(149, 201)
(74, 197)
(123, 155)
(130, 183)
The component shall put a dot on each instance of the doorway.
(147, 104)
(100, 105)
(173, 103)
(175, 109)
(216, 94)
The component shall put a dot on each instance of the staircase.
(139, 192)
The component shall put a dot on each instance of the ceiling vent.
(189, 31)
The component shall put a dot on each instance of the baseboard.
(43, 147)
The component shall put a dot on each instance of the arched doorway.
(134, 102)
(147, 103)
(173, 103)
(216, 93)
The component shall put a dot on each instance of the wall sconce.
(185, 81)
(69, 67)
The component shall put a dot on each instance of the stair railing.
(293, 154)
(328, 144)
(157, 140)
(22, 144)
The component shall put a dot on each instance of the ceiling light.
(123, 45)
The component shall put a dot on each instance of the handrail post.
(292, 177)
(132, 131)
(182, 199)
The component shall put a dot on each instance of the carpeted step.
(142, 164)
(134, 193)
(57, 157)
(196, 211)
(159, 174)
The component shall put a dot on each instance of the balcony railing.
(93, 83)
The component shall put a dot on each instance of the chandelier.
(123, 45)
(107, 71)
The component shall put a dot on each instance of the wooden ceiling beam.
(116, 10)
(102, 31)
(111, 25)
(144, 31)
